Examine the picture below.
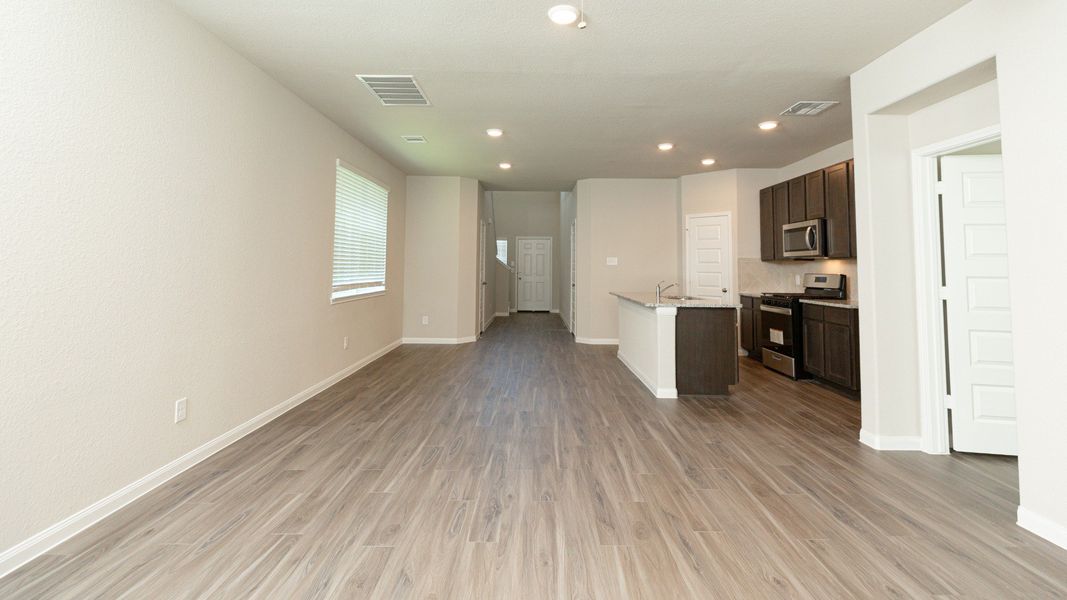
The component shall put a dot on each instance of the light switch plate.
(179, 410)
(613, 261)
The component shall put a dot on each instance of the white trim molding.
(597, 341)
(46, 540)
(463, 340)
(1042, 527)
(891, 442)
(659, 392)
(502, 314)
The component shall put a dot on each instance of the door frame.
(551, 270)
(733, 295)
(573, 267)
(483, 283)
(929, 295)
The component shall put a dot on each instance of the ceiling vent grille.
(414, 139)
(808, 108)
(395, 90)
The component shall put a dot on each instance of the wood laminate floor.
(526, 466)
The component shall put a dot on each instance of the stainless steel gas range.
(781, 330)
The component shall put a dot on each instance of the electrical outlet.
(798, 279)
(425, 319)
(346, 342)
(613, 261)
(179, 410)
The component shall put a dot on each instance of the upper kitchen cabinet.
(838, 212)
(766, 224)
(780, 195)
(824, 194)
(797, 206)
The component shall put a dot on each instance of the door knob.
(724, 290)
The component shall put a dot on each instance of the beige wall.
(441, 275)
(1027, 42)
(634, 220)
(529, 214)
(485, 215)
(167, 217)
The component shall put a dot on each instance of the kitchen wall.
(441, 275)
(567, 214)
(529, 214)
(634, 221)
(1026, 40)
(489, 267)
(167, 232)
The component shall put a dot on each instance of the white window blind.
(359, 235)
(502, 251)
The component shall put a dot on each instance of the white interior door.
(574, 278)
(979, 341)
(483, 283)
(534, 272)
(709, 257)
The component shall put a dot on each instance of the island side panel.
(646, 346)
(706, 350)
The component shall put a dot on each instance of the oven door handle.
(812, 238)
(775, 309)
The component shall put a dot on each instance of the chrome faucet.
(660, 289)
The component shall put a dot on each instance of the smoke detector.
(414, 139)
(808, 108)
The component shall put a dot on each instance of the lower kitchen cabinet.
(750, 326)
(831, 344)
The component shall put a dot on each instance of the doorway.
(483, 281)
(573, 313)
(533, 258)
(709, 257)
(966, 363)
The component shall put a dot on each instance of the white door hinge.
(943, 293)
(939, 187)
(950, 403)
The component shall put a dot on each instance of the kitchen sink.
(681, 297)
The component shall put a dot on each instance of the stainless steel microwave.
(806, 239)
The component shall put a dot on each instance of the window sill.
(358, 294)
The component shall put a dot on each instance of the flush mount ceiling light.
(707, 162)
(494, 132)
(768, 125)
(665, 146)
(563, 14)
(505, 166)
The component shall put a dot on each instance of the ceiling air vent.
(395, 90)
(808, 108)
(414, 139)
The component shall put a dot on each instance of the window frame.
(506, 249)
(358, 293)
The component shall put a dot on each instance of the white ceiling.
(574, 104)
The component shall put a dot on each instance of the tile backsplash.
(758, 276)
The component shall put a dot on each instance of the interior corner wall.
(440, 274)
(567, 215)
(635, 221)
(167, 216)
(1026, 40)
(714, 192)
(485, 214)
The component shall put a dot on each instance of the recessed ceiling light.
(505, 166)
(563, 14)
(768, 125)
(665, 146)
(707, 162)
(494, 132)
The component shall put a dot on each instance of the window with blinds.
(359, 235)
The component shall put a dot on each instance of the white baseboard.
(891, 442)
(502, 314)
(462, 340)
(598, 341)
(554, 311)
(488, 322)
(45, 540)
(659, 392)
(1042, 526)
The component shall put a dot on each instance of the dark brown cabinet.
(780, 194)
(798, 209)
(838, 212)
(750, 326)
(824, 194)
(766, 224)
(814, 195)
(831, 344)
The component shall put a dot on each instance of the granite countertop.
(752, 294)
(831, 302)
(648, 299)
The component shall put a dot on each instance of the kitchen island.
(678, 345)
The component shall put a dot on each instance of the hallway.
(527, 466)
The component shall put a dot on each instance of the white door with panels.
(709, 257)
(483, 283)
(574, 278)
(533, 257)
(978, 309)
